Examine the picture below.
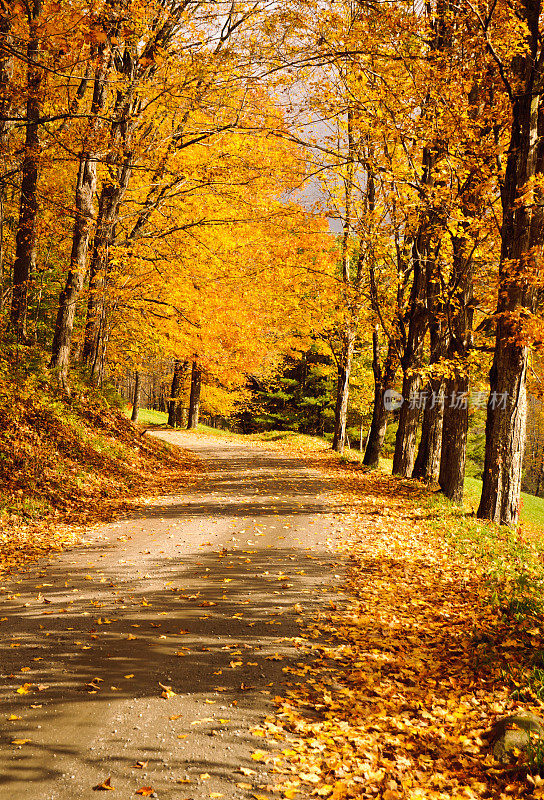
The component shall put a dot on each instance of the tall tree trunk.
(111, 197)
(405, 441)
(194, 399)
(342, 395)
(136, 396)
(174, 402)
(454, 438)
(522, 237)
(6, 76)
(384, 378)
(427, 463)
(406, 438)
(455, 426)
(26, 238)
(84, 216)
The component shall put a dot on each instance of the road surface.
(198, 597)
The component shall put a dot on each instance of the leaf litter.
(392, 701)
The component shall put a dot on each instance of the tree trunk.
(384, 379)
(108, 212)
(26, 238)
(174, 402)
(84, 215)
(136, 396)
(454, 439)
(342, 396)
(6, 76)
(405, 440)
(194, 400)
(522, 237)
(427, 463)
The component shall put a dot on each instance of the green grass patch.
(531, 512)
(293, 438)
(511, 561)
(213, 431)
(147, 416)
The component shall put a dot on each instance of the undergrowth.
(71, 460)
(511, 564)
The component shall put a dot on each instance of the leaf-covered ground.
(68, 462)
(409, 671)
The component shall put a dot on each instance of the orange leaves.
(395, 704)
(105, 786)
(167, 692)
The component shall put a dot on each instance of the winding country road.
(198, 592)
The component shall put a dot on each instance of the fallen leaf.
(104, 786)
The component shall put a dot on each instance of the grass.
(292, 438)
(532, 508)
(149, 417)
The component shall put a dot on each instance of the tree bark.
(427, 463)
(136, 396)
(405, 441)
(111, 197)
(454, 439)
(194, 399)
(26, 237)
(384, 378)
(84, 216)
(455, 425)
(174, 402)
(522, 238)
(6, 76)
(342, 395)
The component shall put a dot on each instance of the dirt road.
(197, 592)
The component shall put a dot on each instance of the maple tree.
(153, 178)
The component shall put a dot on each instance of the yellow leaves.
(105, 786)
(13, 717)
(20, 741)
(145, 791)
(24, 689)
(259, 755)
(325, 790)
(167, 691)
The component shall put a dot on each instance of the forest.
(313, 215)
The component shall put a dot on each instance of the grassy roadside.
(439, 635)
